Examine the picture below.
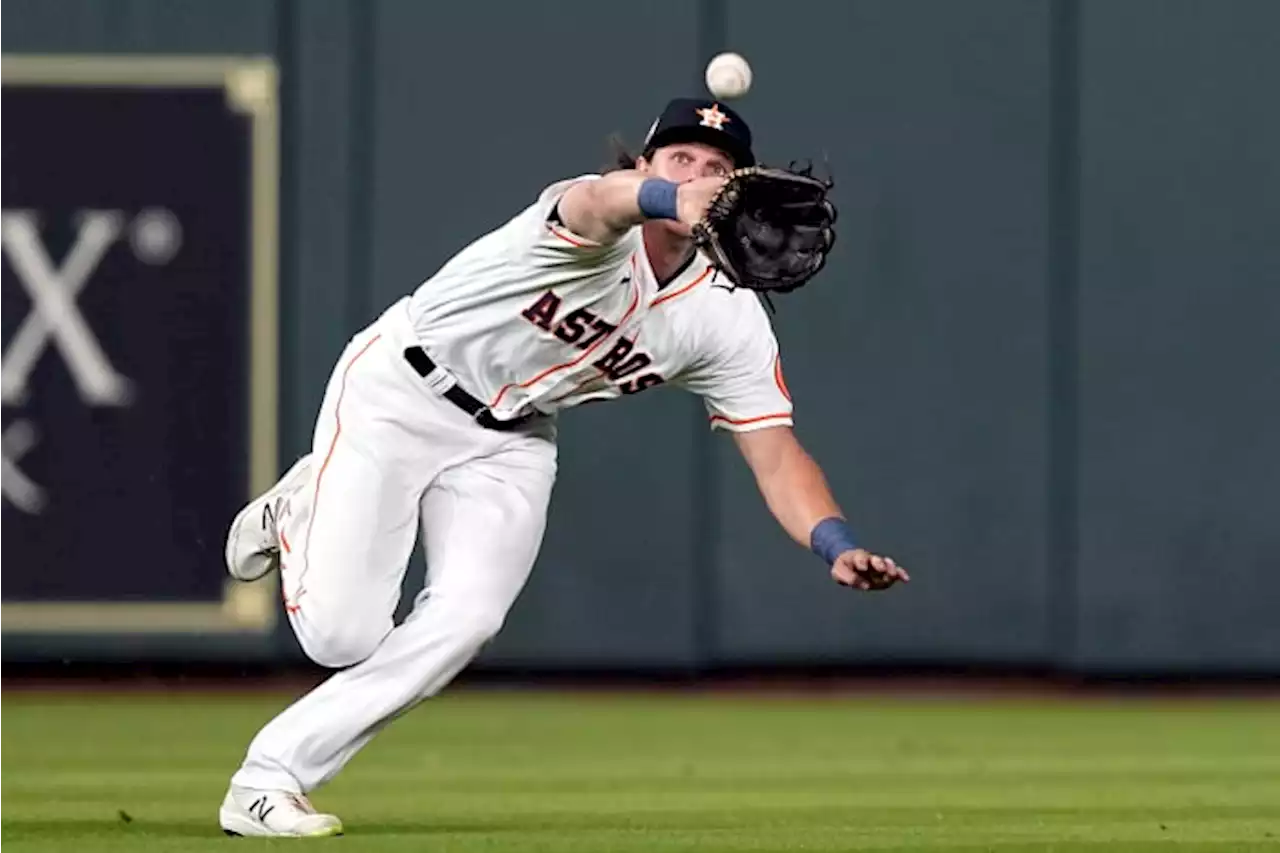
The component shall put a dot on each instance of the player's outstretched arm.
(607, 207)
(796, 492)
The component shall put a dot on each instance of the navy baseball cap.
(708, 122)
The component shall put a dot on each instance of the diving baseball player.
(440, 416)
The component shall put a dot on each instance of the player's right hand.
(863, 570)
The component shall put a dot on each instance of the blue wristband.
(830, 538)
(657, 198)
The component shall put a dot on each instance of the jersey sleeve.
(739, 376)
(551, 243)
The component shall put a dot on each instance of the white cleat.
(277, 814)
(253, 542)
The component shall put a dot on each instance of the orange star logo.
(712, 117)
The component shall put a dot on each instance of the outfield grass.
(506, 771)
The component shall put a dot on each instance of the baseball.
(728, 76)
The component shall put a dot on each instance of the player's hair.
(622, 156)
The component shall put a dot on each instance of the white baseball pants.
(388, 454)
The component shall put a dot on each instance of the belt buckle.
(440, 380)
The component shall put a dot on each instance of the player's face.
(685, 161)
(681, 162)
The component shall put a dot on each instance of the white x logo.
(17, 487)
(54, 311)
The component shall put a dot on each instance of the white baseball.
(728, 76)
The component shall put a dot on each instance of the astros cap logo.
(712, 117)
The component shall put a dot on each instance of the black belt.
(422, 363)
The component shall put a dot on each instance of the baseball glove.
(769, 229)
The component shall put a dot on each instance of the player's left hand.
(861, 569)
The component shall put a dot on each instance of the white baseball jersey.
(534, 317)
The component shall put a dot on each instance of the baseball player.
(441, 416)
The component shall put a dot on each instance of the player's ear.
(642, 165)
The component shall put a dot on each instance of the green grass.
(506, 771)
